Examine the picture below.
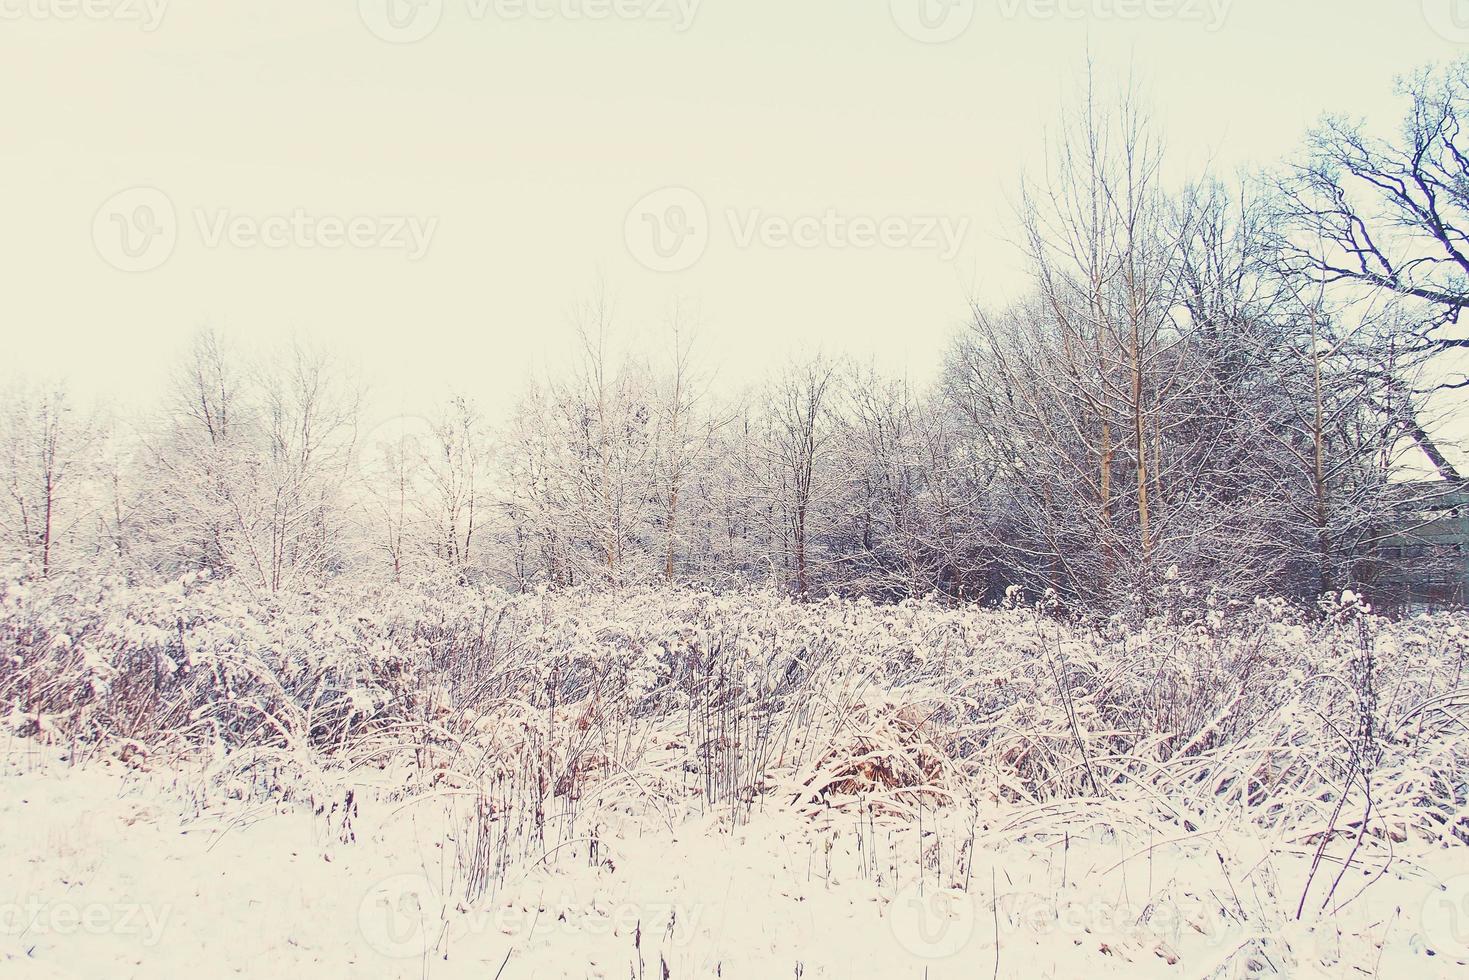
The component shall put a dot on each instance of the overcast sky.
(433, 184)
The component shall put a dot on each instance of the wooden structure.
(1423, 561)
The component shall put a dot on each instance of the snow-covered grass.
(431, 780)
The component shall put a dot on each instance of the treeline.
(1209, 393)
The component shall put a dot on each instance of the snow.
(106, 871)
(675, 784)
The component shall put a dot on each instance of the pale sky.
(495, 163)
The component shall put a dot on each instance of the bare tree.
(910, 517)
(797, 434)
(583, 450)
(245, 474)
(458, 471)
(685, 433)
(1104, 239)
(1392, 214)
(46, 446)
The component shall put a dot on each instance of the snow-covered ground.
(110, 872)
(663, 784)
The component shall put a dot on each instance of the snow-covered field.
(432, 782)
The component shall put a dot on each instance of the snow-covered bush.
(682, 702)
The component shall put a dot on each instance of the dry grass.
(541, 709)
